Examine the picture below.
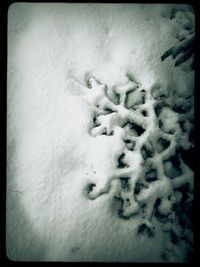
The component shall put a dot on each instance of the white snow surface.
(52, 153)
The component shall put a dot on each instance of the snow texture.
(99, 132)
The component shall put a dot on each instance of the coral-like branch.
(146, 164)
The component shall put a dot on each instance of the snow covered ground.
(99, 131)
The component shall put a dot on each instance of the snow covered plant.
(155, 178)
(99, 133)
(184, 50)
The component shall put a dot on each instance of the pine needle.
(167, 53)
(184, 57)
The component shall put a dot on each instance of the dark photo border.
(4, 261)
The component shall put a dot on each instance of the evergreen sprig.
(182, 52)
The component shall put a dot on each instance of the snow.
(83, 84)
